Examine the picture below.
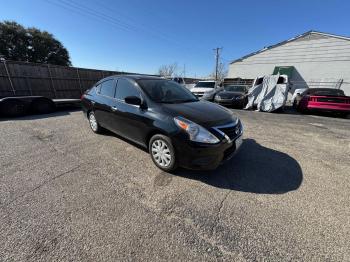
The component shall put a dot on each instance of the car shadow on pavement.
(255, 169)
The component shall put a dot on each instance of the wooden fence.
(52, 81)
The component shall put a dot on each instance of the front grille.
(232, 131)
(198, 94)
(225, 96)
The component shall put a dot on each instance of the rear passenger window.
(108, 88)
(126, 88)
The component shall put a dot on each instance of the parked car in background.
(323, 99)
(297, 95)
(179, 80)
(165, 117)
(232, 95)
(206, 90)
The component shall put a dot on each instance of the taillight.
(82, 96)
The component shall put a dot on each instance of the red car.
(323, 99)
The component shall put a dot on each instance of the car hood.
(229, 94)
(204, 113)
(201, 89)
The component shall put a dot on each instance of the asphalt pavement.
(67, 194)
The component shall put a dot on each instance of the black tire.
(172, 165)
(94, 125)
(13, 108)
(43, 106)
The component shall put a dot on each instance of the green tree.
(31, 45)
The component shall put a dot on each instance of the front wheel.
(162, 153)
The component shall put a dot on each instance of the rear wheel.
(162, 153)
(95, 127)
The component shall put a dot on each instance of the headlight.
(239, 97)
(195, 131)
(217, 97)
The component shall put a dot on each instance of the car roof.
(139, 77)
(321, 89)
(132, 77)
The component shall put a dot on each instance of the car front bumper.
(229, 102)
(200, 156)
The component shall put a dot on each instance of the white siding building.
(313, 59)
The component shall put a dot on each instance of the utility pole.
(217, 55)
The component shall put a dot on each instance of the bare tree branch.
(168, 70)
(222, 72)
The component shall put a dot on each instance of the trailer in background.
(22, 105)
(41, 88)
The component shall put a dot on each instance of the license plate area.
(239, 142)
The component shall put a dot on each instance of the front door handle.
(114, 108)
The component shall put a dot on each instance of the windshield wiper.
(185, 100)
(178, 101)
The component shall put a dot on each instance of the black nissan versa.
(166, 118)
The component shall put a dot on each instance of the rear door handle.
(114, 108)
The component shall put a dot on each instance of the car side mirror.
(133, 100)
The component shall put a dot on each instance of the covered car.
(269, 93)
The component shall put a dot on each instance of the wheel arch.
(88, 112)
(152, 133)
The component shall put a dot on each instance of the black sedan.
(165, 118)
(232, 95)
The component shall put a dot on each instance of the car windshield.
(235, 88)
(165, 91)
(325, 92)
(205, 85)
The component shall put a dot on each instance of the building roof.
(288, 41)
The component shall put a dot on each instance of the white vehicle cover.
(268, 96)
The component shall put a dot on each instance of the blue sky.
(139, 36)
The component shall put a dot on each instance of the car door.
(104, 103)
(130, 120)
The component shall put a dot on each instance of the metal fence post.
(53, 86)
(81, 88)
(9, 77)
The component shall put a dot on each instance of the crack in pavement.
(218, 213)
(41, 185)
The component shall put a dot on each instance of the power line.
(88, 12)
(131, 20)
